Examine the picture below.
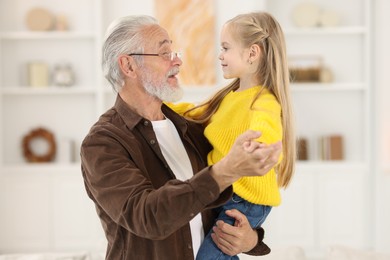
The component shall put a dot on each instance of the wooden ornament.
(30, 154)
(39, 19)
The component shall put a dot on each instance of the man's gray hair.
(123, 37)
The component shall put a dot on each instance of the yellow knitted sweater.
(233, 117)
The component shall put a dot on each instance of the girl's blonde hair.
(262, 29)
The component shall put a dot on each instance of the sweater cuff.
(261, 248)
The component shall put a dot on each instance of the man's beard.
(161, 90)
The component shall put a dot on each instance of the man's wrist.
(218, 172)
(254, 241)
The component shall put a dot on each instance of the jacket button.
(146, 123)
(189, 246)
(152, 141)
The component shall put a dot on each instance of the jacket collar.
(131, 118)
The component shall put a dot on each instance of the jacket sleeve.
(261, 248)
(121, 187)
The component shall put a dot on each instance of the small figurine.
(61, 23)
(63, 75)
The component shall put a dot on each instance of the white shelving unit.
(328, 201)
(44, 205)
(24, 108)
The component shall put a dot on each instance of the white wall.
(382, 119)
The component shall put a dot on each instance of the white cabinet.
(46, 209)
(330, 202)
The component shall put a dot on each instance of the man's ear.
(127, 65)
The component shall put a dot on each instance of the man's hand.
(236, 239)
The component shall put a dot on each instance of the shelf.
(352, 30)
(45, 35)
(315, 167)
(51, 90)
(37, 168)
(328, 86)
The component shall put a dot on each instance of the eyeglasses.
(165, 55)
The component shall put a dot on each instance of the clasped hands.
(247, 157)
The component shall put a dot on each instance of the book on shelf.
(302, 147)
(331, 147)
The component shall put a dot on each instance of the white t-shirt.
(175, 154)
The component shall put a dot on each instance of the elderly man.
(145, 167)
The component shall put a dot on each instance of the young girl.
(254, 55)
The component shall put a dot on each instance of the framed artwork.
(191, 26)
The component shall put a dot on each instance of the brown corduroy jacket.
(144, 210)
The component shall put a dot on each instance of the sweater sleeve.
(266, 118)
(182, 107)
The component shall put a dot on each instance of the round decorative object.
(39, 19)
(329, 18)
(306, 14)
(63, 75)
(61, 23)
(33, 156)
(326, 75)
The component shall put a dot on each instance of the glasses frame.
(171, 57)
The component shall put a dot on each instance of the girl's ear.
(127, 65)
(254, 52)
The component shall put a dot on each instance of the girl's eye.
(224, 49)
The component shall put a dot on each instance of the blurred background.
(52, 90)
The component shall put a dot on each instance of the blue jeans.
(256, 215)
